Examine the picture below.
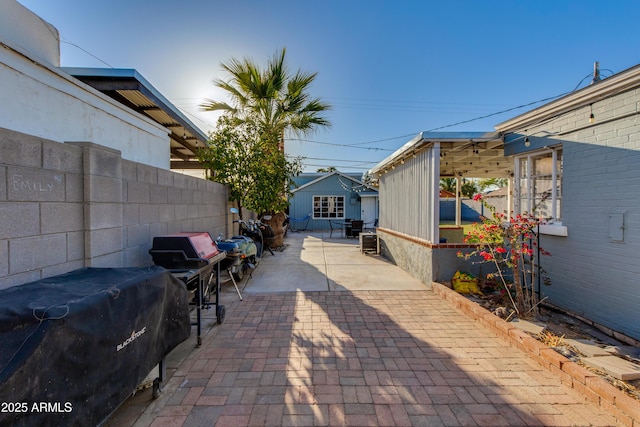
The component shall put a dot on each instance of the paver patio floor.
(354, 356)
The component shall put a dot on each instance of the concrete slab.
(313, 257)
(588, 348)
(301, 276)
(353, 257)
(615, 366)
(528, 326)
(371, 278)
(625, 350)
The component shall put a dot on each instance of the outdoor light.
(592, 118)
(527, 143)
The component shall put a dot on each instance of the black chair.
(356, 228)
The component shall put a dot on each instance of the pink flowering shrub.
(511, 245)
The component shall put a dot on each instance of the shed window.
(328, 207)
(539, 184)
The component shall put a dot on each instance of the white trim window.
(538, 185)
(328, 207)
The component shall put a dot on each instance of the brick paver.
(378, 358)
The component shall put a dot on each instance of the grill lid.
(184, 250)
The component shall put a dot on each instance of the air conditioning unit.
(369, 243)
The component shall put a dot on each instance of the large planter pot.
(276, 222)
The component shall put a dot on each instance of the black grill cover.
(75, 346)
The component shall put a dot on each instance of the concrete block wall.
(426, 261)
(65, 206)
(41, 208)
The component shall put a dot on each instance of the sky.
(390, 69)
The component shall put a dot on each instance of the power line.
(67, 41)
(341, 145)
(337, 160)
(355, 145)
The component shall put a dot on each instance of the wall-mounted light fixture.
(527, 143)
(592, 118)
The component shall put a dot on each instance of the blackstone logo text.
(134, 336)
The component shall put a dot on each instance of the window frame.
(553, 225)
(336, 209)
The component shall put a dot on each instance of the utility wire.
(355, 145)
(67, 41)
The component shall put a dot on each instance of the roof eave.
(617, 83)
(424, 139)
(150, 91)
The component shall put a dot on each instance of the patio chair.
(356, 227)
(371, 225)
(305, 219)
(335, 225)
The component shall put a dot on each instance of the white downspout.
(435, 190)
(458, 202)
(509, 197)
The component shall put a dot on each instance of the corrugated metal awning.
(129, 88)
(468, 154)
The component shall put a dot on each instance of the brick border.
(590, 385)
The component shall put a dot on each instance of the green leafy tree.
(488, 183)
(277, 102)
(469, 188)
(244, 157)
(329, 169)
(272, 97)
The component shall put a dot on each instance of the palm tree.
(448, 184)
(272, 97)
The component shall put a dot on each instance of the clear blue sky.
(390, 69)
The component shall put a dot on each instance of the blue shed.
(332, 196)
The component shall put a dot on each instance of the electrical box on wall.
(616, 227)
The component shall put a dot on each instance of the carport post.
(458, 202)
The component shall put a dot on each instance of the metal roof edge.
(624, 80)
(130, 73)
(427, 137)
(389, 159)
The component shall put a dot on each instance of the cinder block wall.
(74, 205)
(428, 262)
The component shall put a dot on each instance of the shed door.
(369, 209)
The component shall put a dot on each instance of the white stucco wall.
(38, 99)
(29, 32)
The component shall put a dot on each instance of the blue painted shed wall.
(448, 212)
(302, 201)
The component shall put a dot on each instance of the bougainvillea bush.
(511, 244)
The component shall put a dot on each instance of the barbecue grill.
(195, 259)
